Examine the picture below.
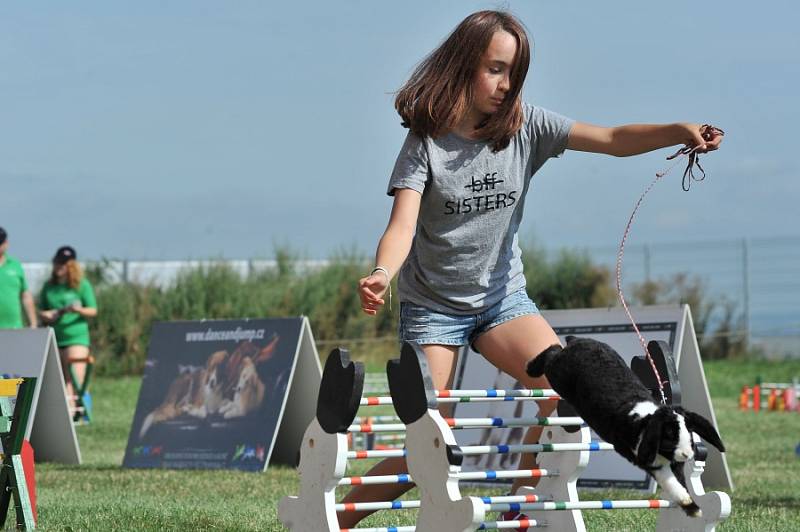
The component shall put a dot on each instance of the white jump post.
(441, 505)
(323, 464)
(564, 487)
(323, 452)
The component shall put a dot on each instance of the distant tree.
(726, 339)
(570, 280)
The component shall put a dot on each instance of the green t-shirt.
(12, 284)
(71, 328)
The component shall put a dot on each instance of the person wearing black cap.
(65, 303)
(14, 293)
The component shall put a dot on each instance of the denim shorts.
(425, 326)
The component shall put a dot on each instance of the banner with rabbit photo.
(213, 393)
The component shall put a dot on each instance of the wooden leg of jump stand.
(323, 459)
(12, 475)
(563, 487)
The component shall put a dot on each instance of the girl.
(66, 301)
(459, 187)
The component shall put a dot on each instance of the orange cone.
(744, 398)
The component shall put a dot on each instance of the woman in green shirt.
(65, 303)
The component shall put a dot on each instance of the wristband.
(381, 269)
(388, 280)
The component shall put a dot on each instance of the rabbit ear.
(703, 428)
(648, 448)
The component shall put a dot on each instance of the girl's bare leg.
(509, 346)
(73, 352)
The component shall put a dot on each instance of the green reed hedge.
(327, 295)
(121, 332)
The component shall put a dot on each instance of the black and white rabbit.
(599, 385)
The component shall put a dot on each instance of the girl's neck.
(466, 128)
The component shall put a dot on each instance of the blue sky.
(192, 129)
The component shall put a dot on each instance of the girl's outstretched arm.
(634, 139)
(393, 249)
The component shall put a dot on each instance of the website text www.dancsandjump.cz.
(220, 336)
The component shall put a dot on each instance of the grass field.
(100, 495)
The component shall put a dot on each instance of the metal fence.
(760, 277)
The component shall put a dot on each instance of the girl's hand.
(371, 290)
(705, 136)
(49, 316)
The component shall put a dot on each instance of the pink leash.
(708, 132)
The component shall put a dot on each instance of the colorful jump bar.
(475, 422)
(493, 399)
(367, 506)
(492, 449)
(385, 529)
(522, 524)
(496, 393)
(474, 396)
(536, 448)
(404, 505)
(464, 475)
(369, 427)
(384, 453)
(376, 419)
(511, 473)
(375, 401)
(376, 479)
(579, 505)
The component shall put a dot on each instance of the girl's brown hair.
(74, 274)
(438, 94)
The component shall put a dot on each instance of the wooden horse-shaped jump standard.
(12, 435)
(322, 458)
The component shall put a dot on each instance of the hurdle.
(324, 451)
(771, 396)
(434, 461)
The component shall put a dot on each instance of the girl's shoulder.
(533, 113)
(542, 121)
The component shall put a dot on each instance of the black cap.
(3, 236)
(64, 254)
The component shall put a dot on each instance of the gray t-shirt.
(465, 256)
